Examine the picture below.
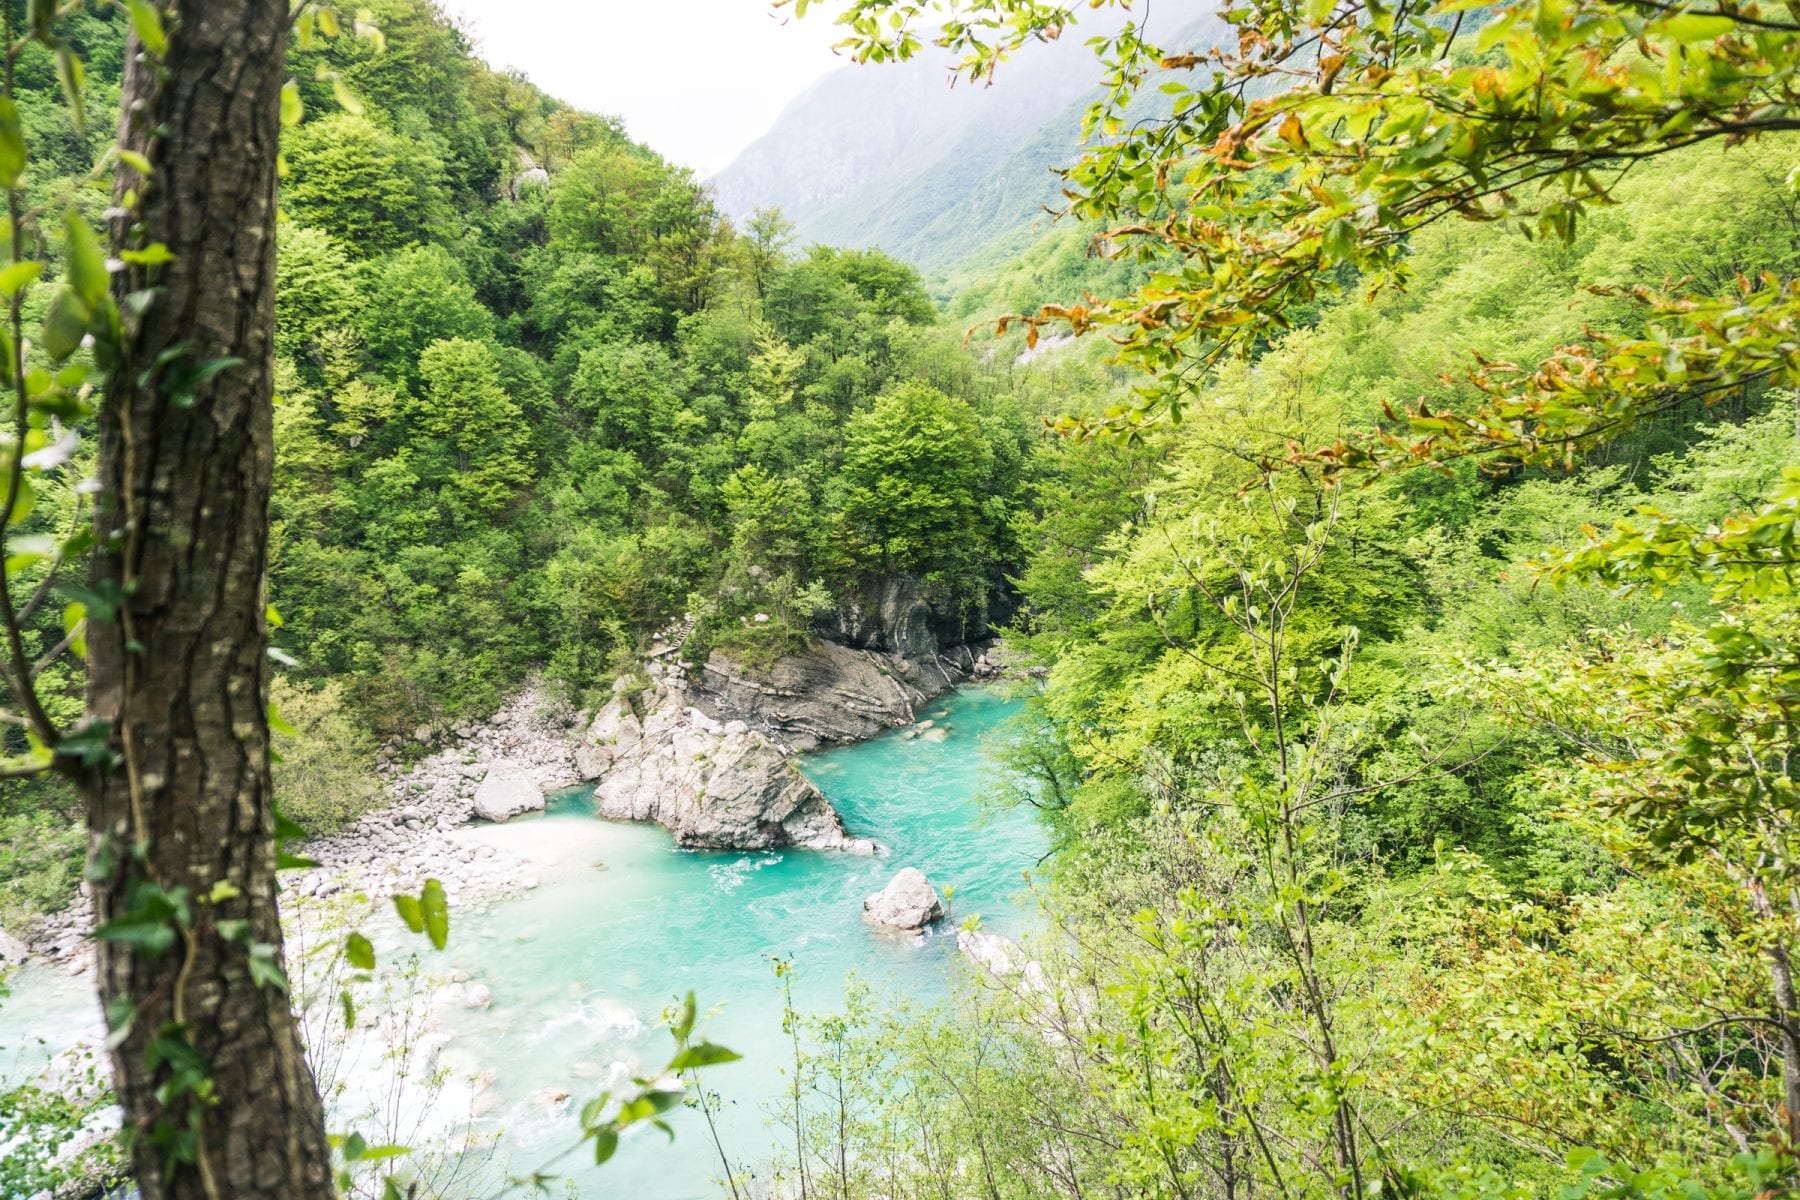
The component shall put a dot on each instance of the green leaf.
(278, 723)
(360, 952)
(346, 99)
(151, 937)
(378, 1153)
(1695, 27)
(153, 255)
(590, 1112)
(349, 1007)
(703, 1054)
(15, 276)
(65, 324)
(12, 144)
(147, 23)
(410, 912)
(265, 971)
(292, 107)
(436, 910)
(73, 76)
(606, 1144)
(24, 504)
(87, 262)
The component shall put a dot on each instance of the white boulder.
(907, 902)
(507, 791)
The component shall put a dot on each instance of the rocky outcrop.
(888, 649)
(657, 757)
(907, 902)
(824, 695)
(901, 616)
(531, 175)
(507, 791)
(1001, 957)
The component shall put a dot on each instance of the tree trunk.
(180, 677)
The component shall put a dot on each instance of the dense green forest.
(537, 400)
(1503, 962)
(1396, 849)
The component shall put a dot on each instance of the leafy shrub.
(323, 778)
(40, 863)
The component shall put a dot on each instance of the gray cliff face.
(898, 615)
(709, 753)
(713, 784)
(827, 694)
(885, 652)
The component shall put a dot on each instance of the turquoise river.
(581, 967)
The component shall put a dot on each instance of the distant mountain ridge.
(893, 156)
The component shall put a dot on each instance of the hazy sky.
(696, 79)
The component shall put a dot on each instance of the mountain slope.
(895, 157)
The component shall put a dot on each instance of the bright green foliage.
(322, 779)
(44, 1132)
(370, 189)
(40, 862)
(1500, 904)
(912, 467)
(630, 210)
(319, 298)
(462, 405)
(418, 297)
(1525, 114)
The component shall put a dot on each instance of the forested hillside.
(538, 399)
(544, 416)
(1383, 487)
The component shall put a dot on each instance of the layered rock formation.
(708, 753)
(887, 650)
(656, 757)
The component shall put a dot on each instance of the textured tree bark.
(181, 675)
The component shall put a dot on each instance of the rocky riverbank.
(708, 753)
(415, 836)
(886, 651)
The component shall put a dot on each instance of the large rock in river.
(713, 784)
(507, 791)
(907, 902)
